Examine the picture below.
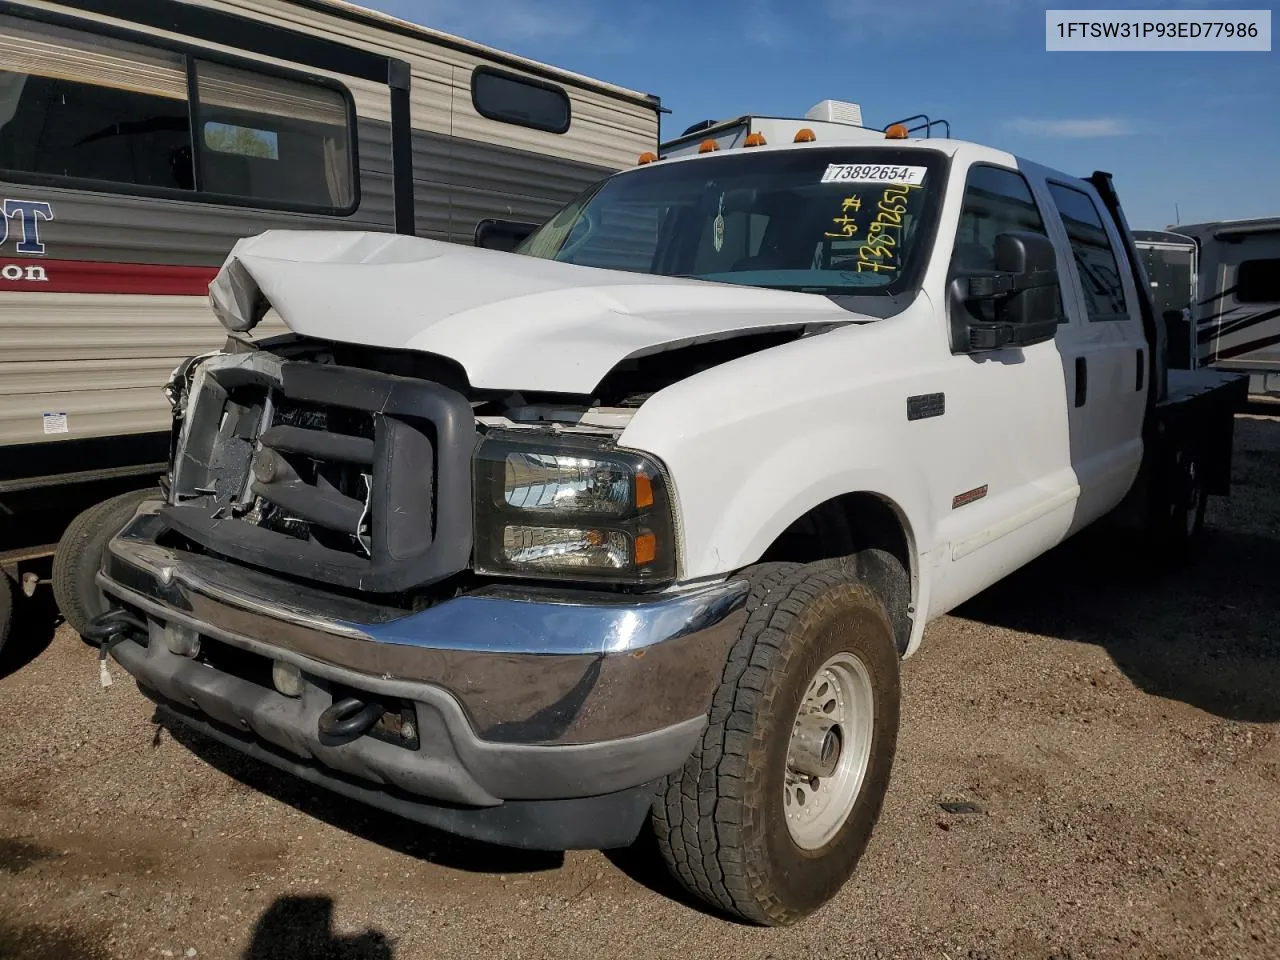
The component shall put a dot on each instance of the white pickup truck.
(637, 523)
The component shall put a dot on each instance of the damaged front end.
(455, 606)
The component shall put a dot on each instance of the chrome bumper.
(519, 694)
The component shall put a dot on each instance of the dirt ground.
(1117, 729)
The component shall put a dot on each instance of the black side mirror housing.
(1016, 305)
(493, 233)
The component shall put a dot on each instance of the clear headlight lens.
(569, 507)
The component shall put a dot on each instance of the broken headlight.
(571, 508)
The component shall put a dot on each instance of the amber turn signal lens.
(646, 549)
(708, 146)
(644, 491)
(647, 157)
(805, 135)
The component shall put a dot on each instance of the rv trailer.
(1236, 312)
(140, 140)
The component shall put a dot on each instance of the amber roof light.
(647, 157)
(897, 131)
(708, 146)
(805, 135)
(754, 140)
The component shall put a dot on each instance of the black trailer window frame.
(192, 53)
(491, 111)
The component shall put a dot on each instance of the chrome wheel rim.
(838, 710)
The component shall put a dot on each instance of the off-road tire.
(79, 556)
(719, 821)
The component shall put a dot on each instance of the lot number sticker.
(55, 423)
(873, 173)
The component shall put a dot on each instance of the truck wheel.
(79, 556)
(771, 812)
(1182, 518)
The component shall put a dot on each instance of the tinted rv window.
(273, 139)
(87, 107)
(520, 100)
(115, 115)
(1095, 261)
(1258, 281)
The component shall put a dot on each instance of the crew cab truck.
(638, 521)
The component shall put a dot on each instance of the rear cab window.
(88, 111)
(1095, 260)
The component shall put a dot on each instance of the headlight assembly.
(572, 508)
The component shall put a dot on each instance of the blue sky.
(1201, 130)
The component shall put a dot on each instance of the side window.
(1095, 260)
(80, 106)
(1258, 281)
(996, 201)
(511, 98)
(272, 139)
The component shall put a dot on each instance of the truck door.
(1106, 352)
(1007, 492)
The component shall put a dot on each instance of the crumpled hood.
(513, 322)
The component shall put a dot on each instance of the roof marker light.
(897, 131)
(647, 157)
(708, 146)
(754, 140)
(805, 135)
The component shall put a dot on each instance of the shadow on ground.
(35, 621)
(386, 830)
(301, 928)
(1203, 631)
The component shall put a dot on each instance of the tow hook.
(349, 719)
(106, 631)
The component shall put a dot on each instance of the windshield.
(831, 221)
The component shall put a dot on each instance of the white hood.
(512, 322)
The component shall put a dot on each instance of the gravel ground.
(1116, 730)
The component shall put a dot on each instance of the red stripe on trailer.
(31, 275)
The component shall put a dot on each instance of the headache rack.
(336, 474)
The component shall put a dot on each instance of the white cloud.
(1072, 129)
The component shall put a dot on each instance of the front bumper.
(542, 720)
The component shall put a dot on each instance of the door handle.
(1082, 381)
(1141, 370)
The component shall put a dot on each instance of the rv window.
(1258, 281)
(87, 107)
(272, 139)
(1095, 261)
(115, 115)
(514, 99)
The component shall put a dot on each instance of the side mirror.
(1018, 304)
(496, 234)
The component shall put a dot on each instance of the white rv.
(139, 141)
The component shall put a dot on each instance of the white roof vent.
(836, 111)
